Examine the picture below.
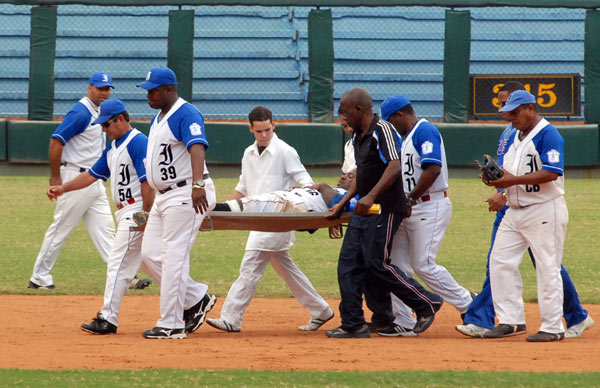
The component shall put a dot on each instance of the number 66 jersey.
(542, 149)
(168, 161)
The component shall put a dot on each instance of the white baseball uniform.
(278, 167)
(349, 161)
(83, 144)
(419, 236)
(295, 200)
(537, 218)
(173, 223)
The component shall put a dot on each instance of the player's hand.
(504, 182)
(335, 231)
(55, 181)
(363, 205)
(496, 202)
(54, 191)
(336, 212)
(199, 201)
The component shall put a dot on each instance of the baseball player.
(479, 318)
(74, 147)
(364, 264)
(176, 168)
(537, 217)
(418, 239)
(269, 164)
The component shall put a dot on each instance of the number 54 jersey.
(168, 161)
(542, 149)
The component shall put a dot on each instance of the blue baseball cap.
(518, 98)
(392, 105)
(100, 79)
(108, 109)
(157, 77)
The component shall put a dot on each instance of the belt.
(435, 196)
(81, 169)
(129, 202)
(180, 184)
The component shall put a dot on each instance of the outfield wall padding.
(41, 63)
(591, 71)
(180, 52)
(3, 140)
(320, 66)
(317, 144)
(457, 58)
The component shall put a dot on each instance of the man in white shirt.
(268, 165)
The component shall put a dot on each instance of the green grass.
(26, 213)
(244, 378)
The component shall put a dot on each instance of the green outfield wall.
(317, 144)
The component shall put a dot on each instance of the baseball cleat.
(164, 333)
(504, 330)
(34, 286)
(139, 284)
(472, 330)
(394, 330)
(360, 332)
(219, 323)
(99, 325)
(542, 336)
(195, 316)
(578, 329)
(314, 324)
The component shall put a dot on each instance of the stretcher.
(270, 222)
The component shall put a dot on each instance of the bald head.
(358, 96)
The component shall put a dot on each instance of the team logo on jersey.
(166, 154)
(553, 156)
(124, 175)
(196, 129)
(502, 146)
(427, 147)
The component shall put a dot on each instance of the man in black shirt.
(364, 258)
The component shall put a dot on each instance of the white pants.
(543, 228)
(415, 248)
(169, 236)
(252, 270)
(91, 206)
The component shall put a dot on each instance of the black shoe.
(542, 336)
(164, 333)
(374, 326)
(504, 330)
(423, 322)
(361, 332)
(99, 326)
(194, 317)
(139, 284)
(38, 287)
(394, 330)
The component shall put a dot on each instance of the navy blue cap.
(518, 98)
(157, 77)
(100, 79)
(108, 109)
(392, 105)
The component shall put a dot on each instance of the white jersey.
(168, 161)
(349, 161)
(423, 145)
(543, 148)
(309, 198)
(84, 147)
(124, 184)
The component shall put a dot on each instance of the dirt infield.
(42, 332)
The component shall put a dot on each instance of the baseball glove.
(490, 171)
(140, 218)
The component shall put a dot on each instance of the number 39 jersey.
(542, 149)
(423, 145)
(168, 160)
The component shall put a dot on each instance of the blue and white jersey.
(423, 145)
(123, 162)
(543, 148)
(311, 199)
(83, 142)
(504, 143)
(168, 160)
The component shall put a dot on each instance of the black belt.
(81, 169)
(180, 184)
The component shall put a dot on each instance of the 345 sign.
(556, 94)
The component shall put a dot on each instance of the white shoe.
(314, 324)
(472, 330)
(578, 329)
(222, 324)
